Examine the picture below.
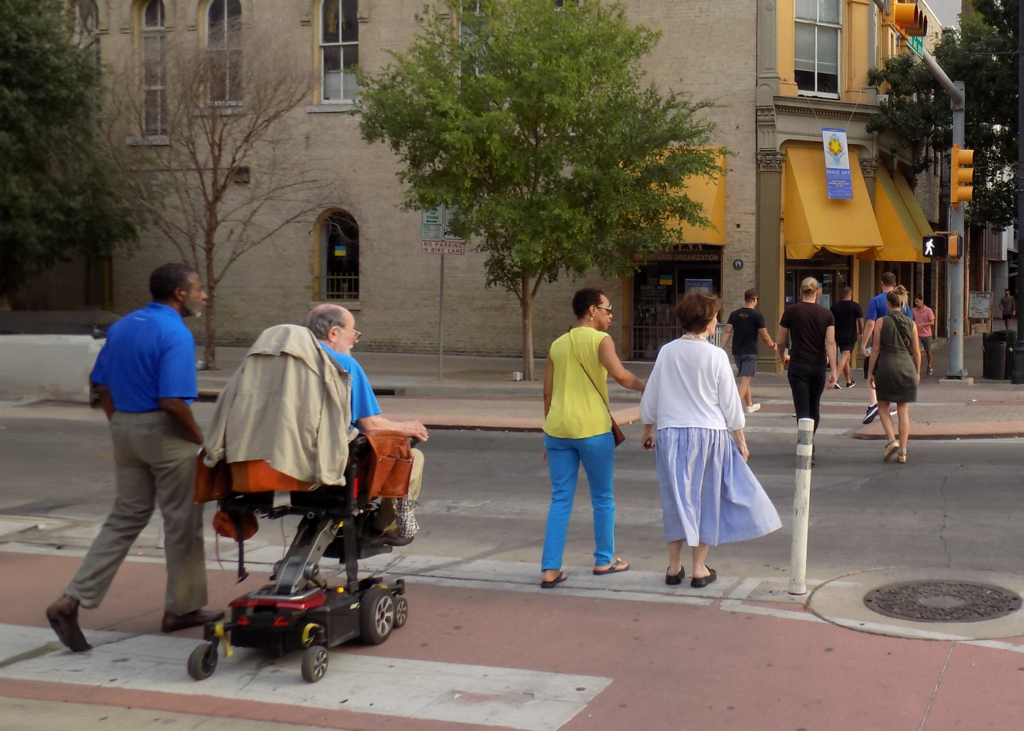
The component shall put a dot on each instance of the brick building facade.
(747, 56)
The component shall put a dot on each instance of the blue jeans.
(564, 456)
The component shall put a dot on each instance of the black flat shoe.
(675, 580)
(562, 576)
(702, 582)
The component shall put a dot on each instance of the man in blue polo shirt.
(877, 309)
(146, 378)
(334, 327)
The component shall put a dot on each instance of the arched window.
(224, 50)
(154, 68)
(339, 50)
(339, 257)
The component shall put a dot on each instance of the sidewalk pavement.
(478, 392)
(483, 651)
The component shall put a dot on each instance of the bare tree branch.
(186, 179)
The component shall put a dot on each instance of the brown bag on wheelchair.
(389, 464)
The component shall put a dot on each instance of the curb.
(960, 430)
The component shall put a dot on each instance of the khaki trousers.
(386, 519)
(155, 465)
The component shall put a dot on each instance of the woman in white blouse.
(708, 493)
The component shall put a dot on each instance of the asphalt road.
(957, 503)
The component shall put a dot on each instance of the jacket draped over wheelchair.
(288, 405)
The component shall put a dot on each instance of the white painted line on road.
(824, 430)
(824, 416)
(731, 605)
(515, 573)
(564, 590)
(447, 692)
(16, 641)
(746, 586)
(829, 402)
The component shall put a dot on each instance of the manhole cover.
(942, 601)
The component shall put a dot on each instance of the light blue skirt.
(708, 493)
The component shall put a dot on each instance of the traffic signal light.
(942, 246)
(909, 18)
(961, 175)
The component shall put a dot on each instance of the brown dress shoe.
(63, 616)
(174, 622)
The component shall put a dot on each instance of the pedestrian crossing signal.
(942, 247)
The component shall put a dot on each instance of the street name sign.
(916, 44)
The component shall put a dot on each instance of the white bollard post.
(160, 535)
(801, 507)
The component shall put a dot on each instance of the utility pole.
(956, 268)
(1018, 361)
(957, 96)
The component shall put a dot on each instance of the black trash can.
(994, 356)
(1011, 349)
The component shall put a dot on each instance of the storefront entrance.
(662, 279)
(831, 270)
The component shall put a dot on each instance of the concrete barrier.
(55, 367)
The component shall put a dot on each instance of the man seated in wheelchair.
(334, 327)
(290, 414)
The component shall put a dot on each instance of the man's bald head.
(322, 318)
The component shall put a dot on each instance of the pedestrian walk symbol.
(942, 246)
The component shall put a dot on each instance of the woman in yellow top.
(578, 428)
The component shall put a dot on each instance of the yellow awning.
(901, 235)
(920, 219)
(710, 193)
(813, 221)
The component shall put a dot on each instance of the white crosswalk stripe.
(448, 692)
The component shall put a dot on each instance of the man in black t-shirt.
(745, 325)
(812, 330)
(849, 325)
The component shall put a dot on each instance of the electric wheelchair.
(300, 610)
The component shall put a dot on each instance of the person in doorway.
(894, 370)
(849, 325)
(709, 495)
(924, 318)
(146, 380)
(877, 309)
(578, 429)
(335, 328)
(1008, 306)
(745, 326)
(810, 332)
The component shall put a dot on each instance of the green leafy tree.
(58, 195)
(982, 54)
(533, 118)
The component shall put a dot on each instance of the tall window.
(339, 242)
(224, 50)
(339, 50)
(816, 67)
(154, 68)
(87, 27)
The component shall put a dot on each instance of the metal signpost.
(436, 238)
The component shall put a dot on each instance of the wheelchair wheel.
(203, 661)
(376, 616)
(314, 663)
(401, 612)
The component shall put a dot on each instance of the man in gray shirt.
(1008, 306)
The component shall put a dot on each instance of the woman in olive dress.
(894, 372)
